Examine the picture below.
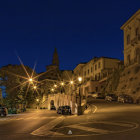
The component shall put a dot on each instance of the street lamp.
(34, 87)
(37, 103)
(62, 84)
(55, 86)
(79, 105)
(71, 82)
(52, 90)
(30, 79)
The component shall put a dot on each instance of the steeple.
(55, 60)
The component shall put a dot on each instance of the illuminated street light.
(52, 90)
(71, 82)
(30, 79)
(37, 100)
(80, 79)
(34, 87)
(55, 86)
(62, 83)
(79, 105)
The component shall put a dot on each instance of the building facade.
(131, 31)
(95, 73)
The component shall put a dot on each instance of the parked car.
(123, 98)
(138, 100)
(3, 111)
(53, 107)
(64, 110)
(98, 95)
(59, 110)
(111, 97)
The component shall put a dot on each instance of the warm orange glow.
(55, 86)
(71, 82)
(62, 84)
(35, 87)
(79, 79)
(30, 79)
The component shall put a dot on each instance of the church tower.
(55, 60)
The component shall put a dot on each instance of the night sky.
(79, 29)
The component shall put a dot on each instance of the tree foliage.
(15, 79)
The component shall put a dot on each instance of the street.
(108, 120)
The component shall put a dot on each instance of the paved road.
(109, 121)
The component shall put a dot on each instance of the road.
(109, 121)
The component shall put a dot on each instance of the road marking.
(119, 124)
(28, 118)
(95, 130)
(95, 108)
(18, 119)
(90, 110)
(130, 126)
(45, 129)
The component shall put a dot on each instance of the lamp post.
(37, 103)
(79, 103)
(62, 84)
(71, 83)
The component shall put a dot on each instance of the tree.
(15, 79)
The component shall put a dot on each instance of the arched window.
(128, 39)
(136, 31)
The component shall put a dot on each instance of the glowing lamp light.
(35, 87)
(79, 79)
(71, 82)
(37, 100)
(30, 80)
(62, 84)
(52, 89)
(55, 86)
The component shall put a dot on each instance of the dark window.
(95, 67)
(88, 71)
(128, 39)
(99, 76)
(85, 73)
(91, 69)
(99, 65)
(128, 59)
(137, 30)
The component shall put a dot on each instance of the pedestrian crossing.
(25, 118)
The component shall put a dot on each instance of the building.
(131, 31)
(95, 73)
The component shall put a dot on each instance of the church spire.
(55, 60)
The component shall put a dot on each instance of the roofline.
(108, 58)
(130, 19)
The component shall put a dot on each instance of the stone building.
(131, 30)
(53, 91)
(95, 73)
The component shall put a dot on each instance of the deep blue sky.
(79, 29)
